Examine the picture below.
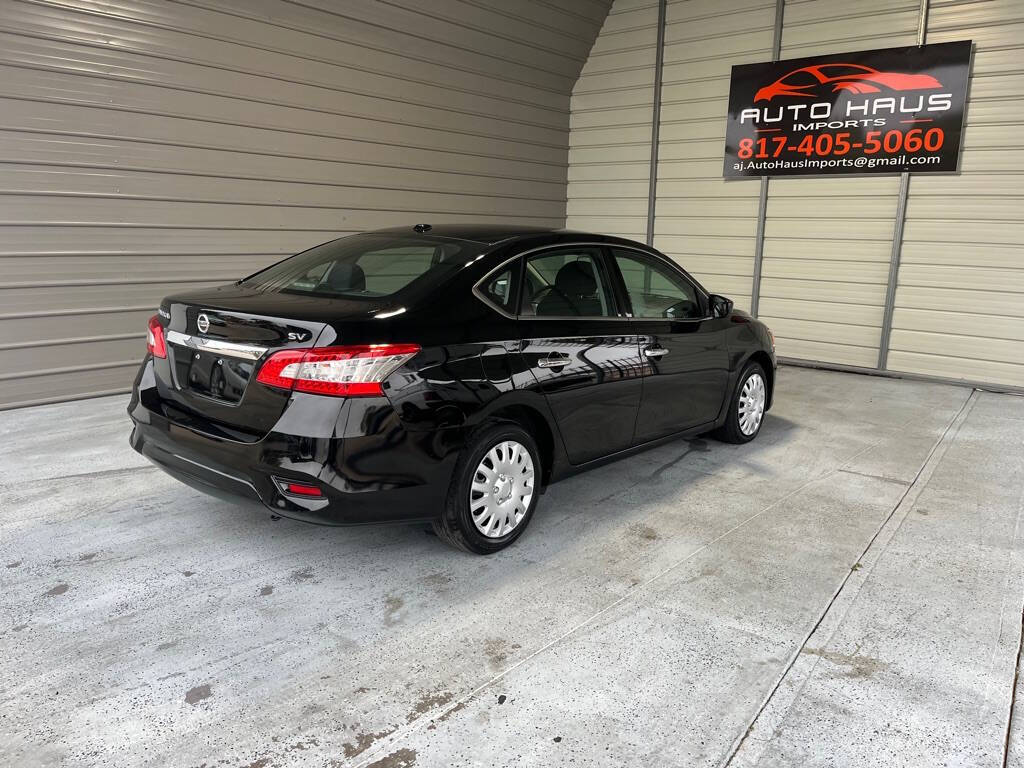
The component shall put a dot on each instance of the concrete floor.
(845, 591)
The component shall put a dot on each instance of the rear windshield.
(364, 265)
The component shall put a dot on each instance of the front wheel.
(746, 407)
(493, 492)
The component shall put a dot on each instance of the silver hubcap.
(502, 489)
(752, 399)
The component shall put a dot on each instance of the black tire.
(730, 431)
(456, 526)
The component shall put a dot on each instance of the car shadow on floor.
(613, 496)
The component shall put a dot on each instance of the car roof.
(487, 234)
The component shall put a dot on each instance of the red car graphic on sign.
(807, 82)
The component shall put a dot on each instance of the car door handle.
(554, 360)
(655, 352)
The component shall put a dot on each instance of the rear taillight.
(292, 488)
(340, 371)
(302, 489)
(155, 342)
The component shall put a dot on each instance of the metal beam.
(897, 233)
(659, 62)
(762, 201)
(894, 271)
(762, 212)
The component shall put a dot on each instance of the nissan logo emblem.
(203, 323)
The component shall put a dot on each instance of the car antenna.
(422, 228)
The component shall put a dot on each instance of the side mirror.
(720, 306)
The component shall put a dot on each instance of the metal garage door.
(827, 282)
(704, 223)
(827, 241)
(959, 308)
(610, 141)
(701, 221)
(148, 147)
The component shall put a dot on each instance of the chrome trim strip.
(208, 468)
(531, 318)
(218, 347)
(672, 319)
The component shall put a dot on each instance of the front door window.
(656, 291)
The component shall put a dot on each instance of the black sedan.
(445, 374)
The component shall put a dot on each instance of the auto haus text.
(854, 114)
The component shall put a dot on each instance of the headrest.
(346, 277)
(576, 279)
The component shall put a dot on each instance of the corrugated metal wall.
(701, 221)
(149, 146)
(827, 243)
(610, 141)
(960, 296)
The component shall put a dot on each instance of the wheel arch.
(761, 357)
(532, 416)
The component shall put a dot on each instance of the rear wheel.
(746, 407)
(494, 490)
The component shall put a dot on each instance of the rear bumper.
(392, 475)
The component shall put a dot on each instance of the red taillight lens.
(271, 373)
(301, 489)
(355, 371)
(293, 488)
(155, 342)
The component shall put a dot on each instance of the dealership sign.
(884, 111)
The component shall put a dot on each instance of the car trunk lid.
(217, 339)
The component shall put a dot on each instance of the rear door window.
(498, 290)
(567, 282)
